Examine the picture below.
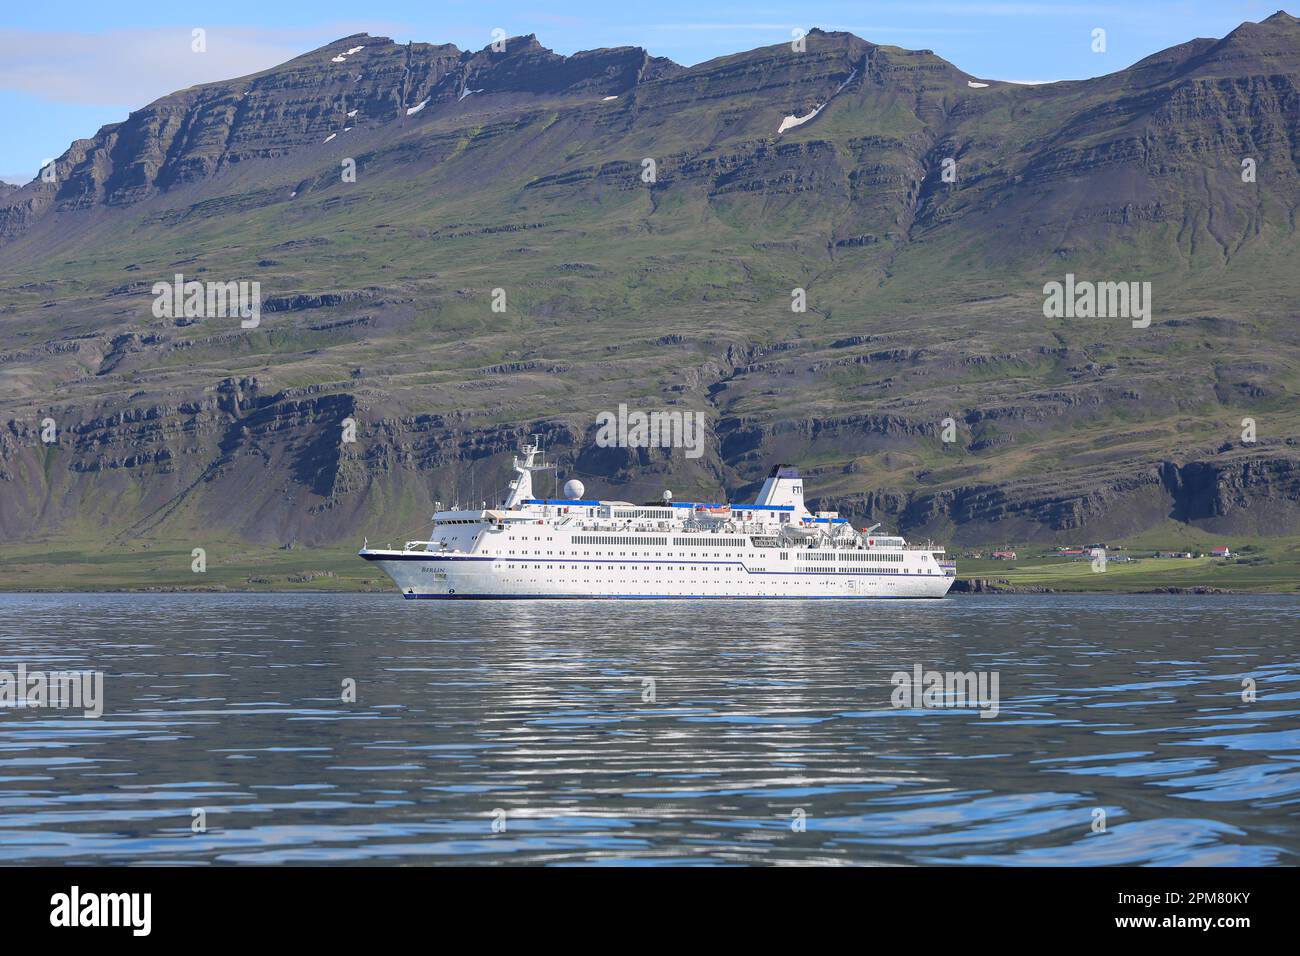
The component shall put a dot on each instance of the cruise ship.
(577, 548)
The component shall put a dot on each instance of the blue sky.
(66, 69)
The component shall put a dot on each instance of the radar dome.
(573, 488)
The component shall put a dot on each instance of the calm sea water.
(770, 737)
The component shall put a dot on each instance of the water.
(231, 704)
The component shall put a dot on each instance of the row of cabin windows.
(619, 567)
(625, 554)
(697, 542)
(615, 539)
(851, 556)
(677, 542)
(852, 571)
(782, 555)
(708, 567)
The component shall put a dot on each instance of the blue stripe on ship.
(668, 597)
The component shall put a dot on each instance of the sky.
(67, 69)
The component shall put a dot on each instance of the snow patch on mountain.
(790, 122)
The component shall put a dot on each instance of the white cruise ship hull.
(579, 548)
(450, 577)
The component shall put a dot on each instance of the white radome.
(574, 489)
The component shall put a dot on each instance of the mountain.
(922, 209)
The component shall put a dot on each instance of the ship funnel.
(783, 487)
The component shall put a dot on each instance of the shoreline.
(976, 587)
(985, 589)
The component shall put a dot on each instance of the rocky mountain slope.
(921, 210)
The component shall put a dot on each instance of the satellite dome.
(573, 488)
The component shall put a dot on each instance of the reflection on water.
(232, 704)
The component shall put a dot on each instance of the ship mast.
(521, 489)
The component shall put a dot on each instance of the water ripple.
(653, 734)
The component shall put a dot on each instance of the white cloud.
(132, 67)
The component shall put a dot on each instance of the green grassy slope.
(924, 303)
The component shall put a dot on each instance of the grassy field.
(169, 567)
(1261, 564)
